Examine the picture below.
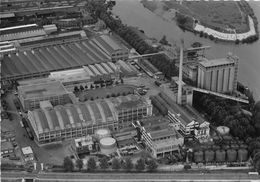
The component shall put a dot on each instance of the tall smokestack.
(180, 74)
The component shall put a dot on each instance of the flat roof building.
(159, 136)
(31, 92)
(81, 119)
(218, 75)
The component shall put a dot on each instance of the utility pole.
(180, 74)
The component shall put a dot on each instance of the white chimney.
(180, 74)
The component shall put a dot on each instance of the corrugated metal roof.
(76, 115)
(52, 58)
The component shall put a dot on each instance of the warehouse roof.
(52, 58)
(75, 115)
(48, 89)
(158, 127)
(107, 44)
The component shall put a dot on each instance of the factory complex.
(54, 123)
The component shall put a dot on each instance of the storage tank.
(231, 155)
(220, 156)
(102, 133)
(209, 155)
(242, 155)
(223, 130)
(198, 156)
(107, 145)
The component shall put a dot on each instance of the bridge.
(221, 95)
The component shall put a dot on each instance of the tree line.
(116, 164)
(132, 37)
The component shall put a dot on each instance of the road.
(129, 177)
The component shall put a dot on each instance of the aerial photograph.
(130, 90)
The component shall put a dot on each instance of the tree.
(128, 164)
(79, 163)
(164, 41)
(140, 165)
(81, 87)
(86, 86)
(76, 89)
(151, 165)
(116, 164)
(91, 86)
(92, 165)
(68, 164)
(103, 163)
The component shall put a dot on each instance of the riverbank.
(237, 26)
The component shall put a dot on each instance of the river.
(132, 13)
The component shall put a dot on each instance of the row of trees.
(116, 164)
(84, 97)
(133, 37)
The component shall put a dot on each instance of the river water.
(132, 13)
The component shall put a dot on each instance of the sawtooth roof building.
(75, 120)
(43, 60)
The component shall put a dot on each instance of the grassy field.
(218, 15)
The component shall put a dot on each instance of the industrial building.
(84, 144)
(43, 60)
(159, 136)
(112, 48)
(21, 32)
(218, 75)
(31, 92)
(80, 119)
(186, 120)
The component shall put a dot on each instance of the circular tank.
(242, 155)
(231, 155)
(220, 156)
(107, 145)
(209, 155)
(102, 133)
(198, 156)
(223, 130)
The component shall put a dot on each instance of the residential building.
(31, 92)
(7, 149)
(28, 154)
(83, 118)
(218, 75)
(159, 136)
(111, 47)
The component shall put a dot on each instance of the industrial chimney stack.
(180, 74)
